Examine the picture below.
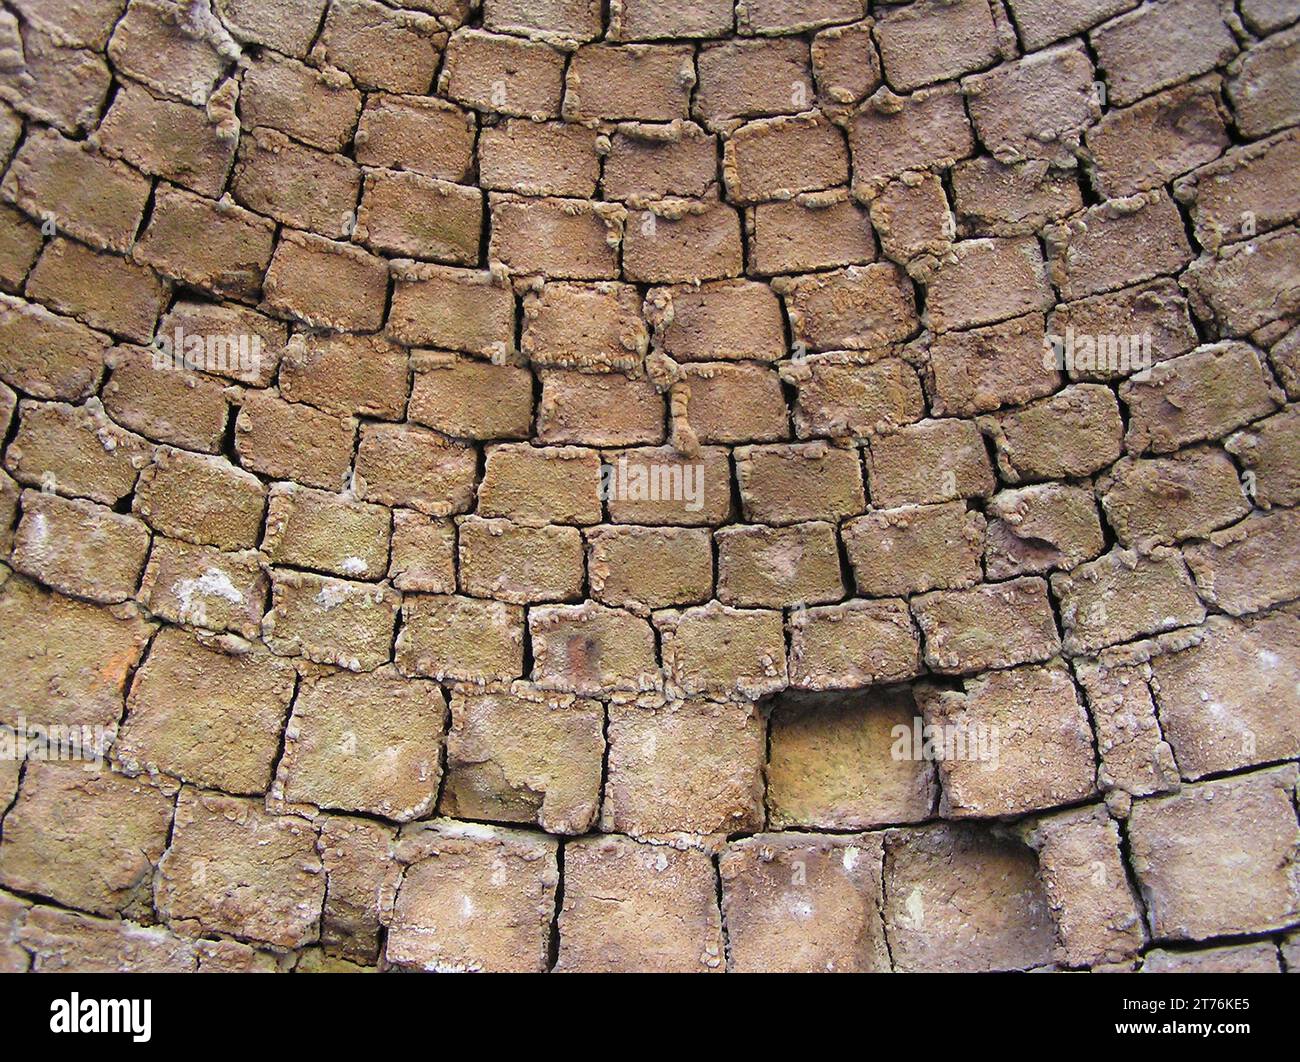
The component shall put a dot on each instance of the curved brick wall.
(668, 485)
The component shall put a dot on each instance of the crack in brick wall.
(792, 484)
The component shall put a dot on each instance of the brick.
(598, 409)
(639, 82)
(1098, 250)
(911, 217)
(80, 548)
(9, 492)
(691, 767)
(890, 134)
(985, 281)
(1246, 285)
(96, 199)
(585, 326)
(20, 243)
(1249, 566)
(422, 554)
(1147, 321)
(1073, 433)
(286, 25)
(569, 20)
(1265, 450)
(170, 49)
(454, 309)
(660, 485)
(590, 649)
(400, 465)
(346, 374)
(86, 25)
(1245, 822)
(981, 369)
(539, 158)
(507, 75)
(70, 658)
(997, 199)
(934, 41)
(1041, 528)
(1043, 21)
(1161, 137)
(204, 587)
(180, 143)
(1093, 905)
(954, 463)
(331, 621)
(721, 651)
(68, 941)
(472, 399)
(48, 356)
(201, 499)
(409, 214)
(770, 17)
(479, 898)
(1232, 959)
(1262, 85)
(1197, 396)
(1244, 192)
(541, 485)
(357, 857)
(815, 231)
(89, 840)
(213, 245)
(102, 290)
(778, 567)
(170, 405)
(318, 107)
(238, 343)
(1167, 499)
(326, 284)
(651, 161)
(572, 239)
(853, 645)
(785, 484)
(296, 185)
(776, 158)
(526, 757)
(631, 906)
(649, 19)
(989, 626)
(326, 532)
(683, 241)
(75, 450)
(1028, 745)
(1161, 44)
(858, 308)
(1265, 16)
(233, 868)
(1123, 595)
(845, 64)
(644, 568)
(381, 48)
(729, 320)
(735, 403)
(288, 440)
(50, 82)
(369, 743)
(915, 548)
(520, 564)
(460, 638)
(419, 133)
(206, 711)
(960, 899)
(751, 79)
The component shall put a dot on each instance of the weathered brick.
(401, 465)
(539, 158)
(454, 309)
(1231, 959)
(631, 20)
(207, 711)
(729, 320)
(204, 587)
(170, 49)
(1028, 745)
(934, 40)
(660, 485)
(370, 743)
(585, 326)
(380, 47)
(599, 409)
(518, 563)
(631, 906)
(288, 440)
(357, 857)
(233, 868)
(1246, 285)
(683, 241)
(472, 399)
(20, 243)
(296, 185)
(61, 941)
(326, 532)
(1249, 566)
(915, 548)
(912, 218)
(525, 756)
(985, 281)
(563, 238)
(48, 356)
(490, 72)
(591, 649)
(331, 621)
(996, 199)
(1041, 528)
(1043, 21)
(776, 158)
(103, 290)
(852, 645)
(50, 81)
(644, 568)
(640, 82)
(930, 461)
(721, 651)
(406, 213)
(890, 134)
(650, 161)
(1181, 843)
(318, 107)
(460, 638)
(419, 133)
(858, 308)
(171, 405)
(688, 766)
(735, 403)
(786, 484)
(845, 64)
(326, 284)
(568, 20)
(286, 25)
(983, 368)
(1262, 85)
(541, 485)
(238, 343)
(346, 374)
(772, 17)
(773, 567)
(990, 626)
(1123, 595)
(201, 499)
(478, 898)
(1265, 449)
(815, 231)
(1073, 433)
(80, 548)
(752, 78)
(423, 553)
(86, 25)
